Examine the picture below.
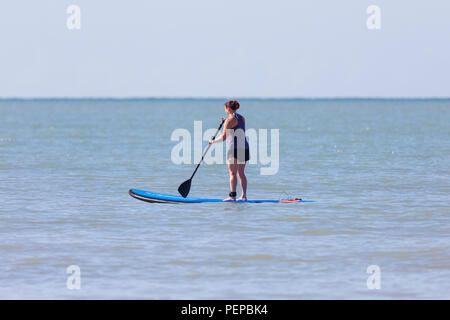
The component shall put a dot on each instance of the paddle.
(185, 187)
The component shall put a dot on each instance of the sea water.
(377, 169)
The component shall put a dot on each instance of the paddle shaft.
(209, 145)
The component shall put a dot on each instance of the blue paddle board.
(166, 198)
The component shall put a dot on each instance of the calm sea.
(378, 171)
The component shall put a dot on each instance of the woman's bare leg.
(232, 169)
(242, 180)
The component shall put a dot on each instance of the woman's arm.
(230, 123)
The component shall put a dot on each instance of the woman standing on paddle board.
(237, 148)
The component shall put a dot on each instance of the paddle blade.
(184, 188)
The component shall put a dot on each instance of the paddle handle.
(209, 145)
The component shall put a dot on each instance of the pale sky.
(225, 48)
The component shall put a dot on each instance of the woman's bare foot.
(230, 199)
(242, 198)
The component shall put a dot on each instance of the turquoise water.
(378, 171)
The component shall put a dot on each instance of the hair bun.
(232, 104)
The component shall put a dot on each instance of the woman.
(237, 149)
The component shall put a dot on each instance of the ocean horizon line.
(105, 98)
